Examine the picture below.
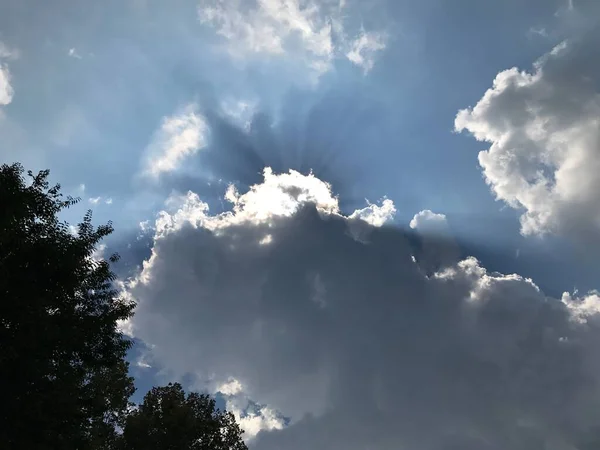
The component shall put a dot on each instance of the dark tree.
(169, 420)
(64, 377)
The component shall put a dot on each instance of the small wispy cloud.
(6, 88)
(179, 136)
(74, 54)
(364, 47)
(7, 52)
(100, 199)
(537, 31)
(239, 111)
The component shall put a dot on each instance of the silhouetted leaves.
(168, 419)
(62, 358)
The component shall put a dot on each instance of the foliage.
(62, 356)
(168, 419)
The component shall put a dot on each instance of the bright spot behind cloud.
(353, 340)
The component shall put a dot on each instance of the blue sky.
(131, 104)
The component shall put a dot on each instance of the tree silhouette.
(169, 420)
(62, 363)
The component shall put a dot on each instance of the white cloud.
(251, 417)
(362, 221)
(179, 136)
(253, 422)
(351, 340)
(428, 220)
(544, 131)
(363, 49)
(73, 230)
(375, 215)
(309, 30)
(230, 387)
(142, 364)
(99, 253)
(73, 53)
(6, 89)
(99, 199)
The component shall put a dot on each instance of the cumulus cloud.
(352, 339)
(310, 30)
(544, 131)
(376, 215)
(179, 136)
(429, 221)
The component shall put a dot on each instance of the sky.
(361, 225)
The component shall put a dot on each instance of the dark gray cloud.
(356, 342)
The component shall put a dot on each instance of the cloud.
(363, 49)
(544, 131)
(376, 215)
(252, 417)
(7, 52)
(180, 136)
(428, 220)
(438, 248)
(74, 54)
(97, 200)
(6, 89)
(313, 31)
(387, 356)
(240, 112)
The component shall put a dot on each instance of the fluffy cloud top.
(352, 340)
(544, 130)
(180, 135)
(306, 29)
(428, 220)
